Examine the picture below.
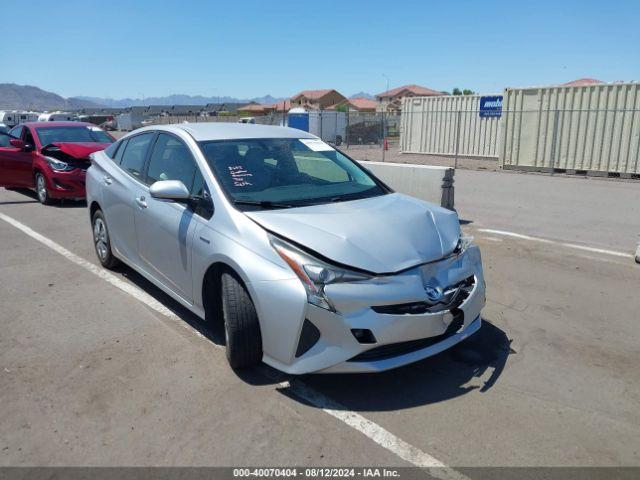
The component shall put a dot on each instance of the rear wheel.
(101, 241)
(241, 327)
(41, 190)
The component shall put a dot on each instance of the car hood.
(382, 234)
(77, 150)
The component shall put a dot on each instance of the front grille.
(454, 295)
(391, 350)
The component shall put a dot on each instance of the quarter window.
(135, 153)
(110, 151)
(120, 152)
(172, 160)
(16, 132)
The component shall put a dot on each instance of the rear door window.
(135, 154)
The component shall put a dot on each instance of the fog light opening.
(363, 335)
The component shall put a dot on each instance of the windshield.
(81, 133)
(287, 172)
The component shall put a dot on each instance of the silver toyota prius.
(311, 262)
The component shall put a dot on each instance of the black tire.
(241, 327)
(101, 241)
(41, 189)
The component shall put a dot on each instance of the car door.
(16, 164)
(121, 186)
(165, 228)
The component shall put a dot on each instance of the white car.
(311, 263)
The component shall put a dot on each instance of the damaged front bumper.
(379, 324)
(67, 185)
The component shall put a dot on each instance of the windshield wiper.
(263, 203)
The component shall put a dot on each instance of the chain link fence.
(578, 141)
(593, 141)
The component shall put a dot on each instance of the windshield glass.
(81, 133)
(280, 173)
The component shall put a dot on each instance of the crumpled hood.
(382, 234)
(77, 150)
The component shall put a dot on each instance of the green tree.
(466, 91)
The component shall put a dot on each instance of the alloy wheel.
(41, 188)
(100, 238)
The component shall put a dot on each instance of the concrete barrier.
(430, 183)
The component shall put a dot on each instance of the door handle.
(108, 180)
(141, 202)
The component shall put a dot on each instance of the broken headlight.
(314, 274)
(464, 242)
(58, 165)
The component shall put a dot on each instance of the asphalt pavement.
(90, 374)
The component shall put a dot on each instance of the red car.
(51, 157)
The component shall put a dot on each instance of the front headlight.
(314, 273)
(464, 242)
(58, 165)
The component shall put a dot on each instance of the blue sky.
(247, 48)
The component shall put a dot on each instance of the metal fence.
(355, 128)
(605, 141)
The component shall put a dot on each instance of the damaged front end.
(64, 157)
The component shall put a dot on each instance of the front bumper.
(400, 337)
(66, 185)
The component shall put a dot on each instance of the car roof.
(57, 124)
(230, 131)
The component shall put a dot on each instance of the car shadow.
(474, 365)
(34, 199)
(213, 331)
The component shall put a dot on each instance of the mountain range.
(176, 99)
(26, 97)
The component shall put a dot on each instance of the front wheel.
(241, 327)
(41, 190)
(101, 241)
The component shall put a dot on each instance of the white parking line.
(375, 432)
(554, 242)
(109, 277)
(372, 430)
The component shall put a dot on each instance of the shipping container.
(450, 125)
(582, 129)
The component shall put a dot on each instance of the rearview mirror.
(17, 143)
(169, 190)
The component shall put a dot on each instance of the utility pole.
(382, 120)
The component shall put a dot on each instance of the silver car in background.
(312, 263)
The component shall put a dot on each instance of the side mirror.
(170, 190)
(17, 143)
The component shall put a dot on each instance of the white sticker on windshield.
(94, 129)
(316, 144)
(239, 176)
